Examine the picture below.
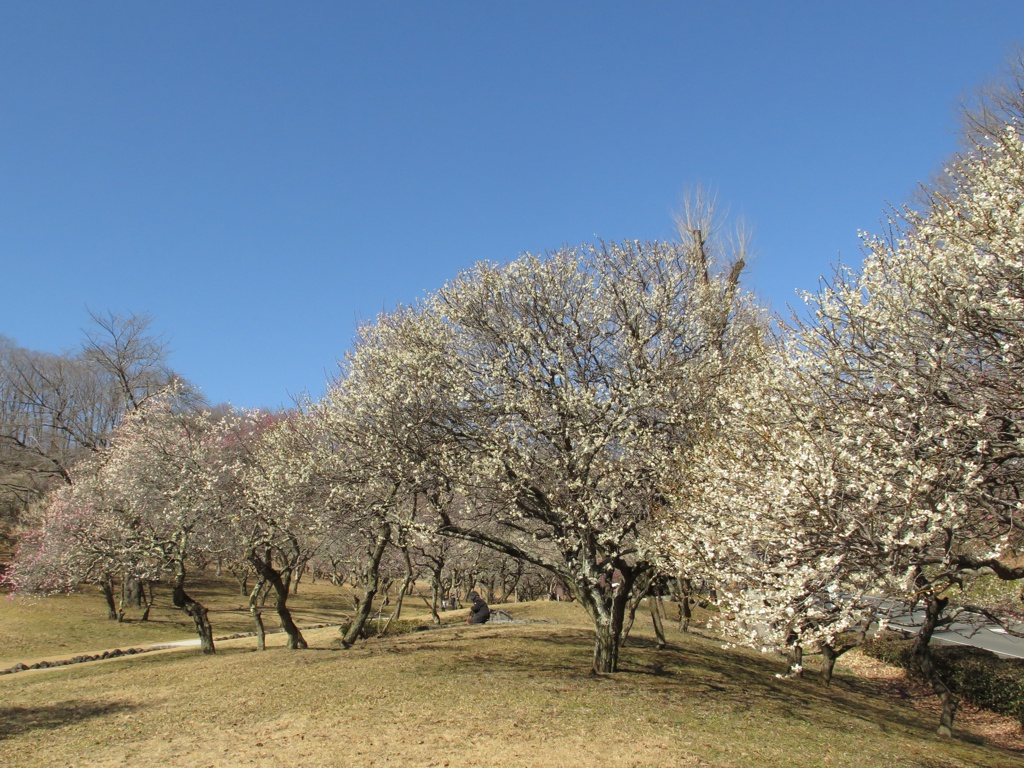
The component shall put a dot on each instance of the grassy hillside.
(516, 695)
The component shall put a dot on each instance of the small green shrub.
(890, 647)
(983, 678)
(979, 676)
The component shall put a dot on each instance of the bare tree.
(56, 408)
(993, 106)
(125, 349)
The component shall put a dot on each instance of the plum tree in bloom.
(536, 406)
(283, 513)
(900, 422)
(163, 469)
(947, 299)
(774, 513)
(144, 505)
(368, 487)
(74, 536)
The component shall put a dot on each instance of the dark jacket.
(479, 613)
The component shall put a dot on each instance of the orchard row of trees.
(616, 415)
(266, 495)
(528, 408)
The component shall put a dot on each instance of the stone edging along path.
(118, 652)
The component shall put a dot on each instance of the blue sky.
(261, 177)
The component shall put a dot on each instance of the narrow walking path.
(117, 653)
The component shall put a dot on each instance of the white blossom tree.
(283, 513)
(142, 506)
(163, 468)
(777, 513)
(535, 406)
(369, 490)
(887, 454)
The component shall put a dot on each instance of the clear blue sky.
(261, 177)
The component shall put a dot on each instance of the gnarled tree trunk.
(922, 659)
(147, 598)
(183, 601)
(257, 616)
(263, 564)
(371, 582)
(435, 592)
(828, 663)
(832, 651)
(682, 588)
(107, 585)
(607, 607)
(654, 602)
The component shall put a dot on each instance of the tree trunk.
(122, 604)
(685, 614)
(659, 629)
(281, 586)
(641, 588)
(147, 593)
(257, 617)
(511, 588)
(922, 659)
(107, 585)
(265, 593)
(683, 588)
(607, 608)
(410, 581)
(828, 663)
(198, 613)
(371, 583)
(298, 572)
(435, 594)
(397, 612)
(489, 589)
(607, 642)
(407, 585)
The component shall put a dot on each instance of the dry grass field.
(35, 629)
(497, 695)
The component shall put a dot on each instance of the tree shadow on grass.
(19, 720)
(699, 670)
(694, 671)
(746, 680)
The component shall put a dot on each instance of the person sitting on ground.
(479, 613)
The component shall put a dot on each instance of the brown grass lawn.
(35, 629)
(515, 695)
